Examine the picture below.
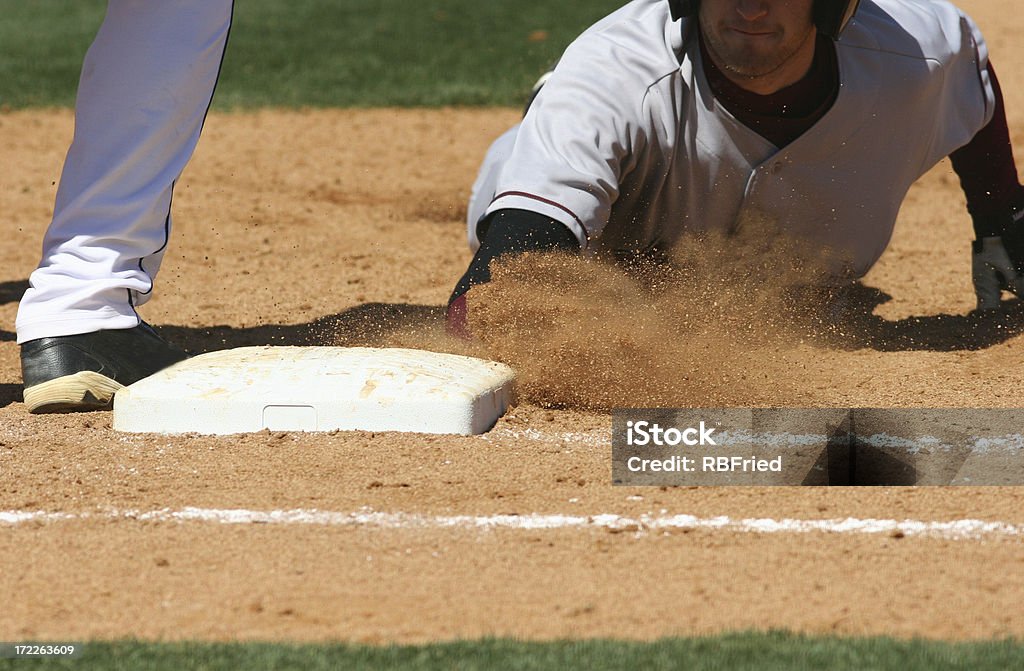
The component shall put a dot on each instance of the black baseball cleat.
(81, 372)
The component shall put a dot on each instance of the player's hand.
(456, 318)
(997, 265)
(997, 258)
(504, 233)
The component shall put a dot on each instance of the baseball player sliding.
(681, 117)
(146, 85)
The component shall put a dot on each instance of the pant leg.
(146, 85)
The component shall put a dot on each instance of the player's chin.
(752, 60)
(752, 66)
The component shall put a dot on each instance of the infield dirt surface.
(347, 227)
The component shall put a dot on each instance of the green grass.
(406, 53)
(344, 53)
(41, 47)
(760, 652)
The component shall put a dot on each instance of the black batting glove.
(504, 233)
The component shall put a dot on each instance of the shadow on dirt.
(372, 323)
(367, 324)
(9, 393)
(12, 291)
(932, 333)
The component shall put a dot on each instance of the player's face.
(760, 43)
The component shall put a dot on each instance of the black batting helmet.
(831, 16)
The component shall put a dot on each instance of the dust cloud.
(720, 321)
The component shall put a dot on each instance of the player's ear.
(682, 8)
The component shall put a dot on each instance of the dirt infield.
(346, 227)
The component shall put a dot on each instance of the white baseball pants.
(146, 85)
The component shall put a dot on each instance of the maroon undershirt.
(985, 166)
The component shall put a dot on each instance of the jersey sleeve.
(968, 100)
(578, 139)
(484, 188)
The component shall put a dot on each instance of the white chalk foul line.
(953, 530)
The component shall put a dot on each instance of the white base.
(318, 389)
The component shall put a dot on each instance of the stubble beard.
(747, 62)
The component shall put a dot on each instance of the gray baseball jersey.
(627, 146)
